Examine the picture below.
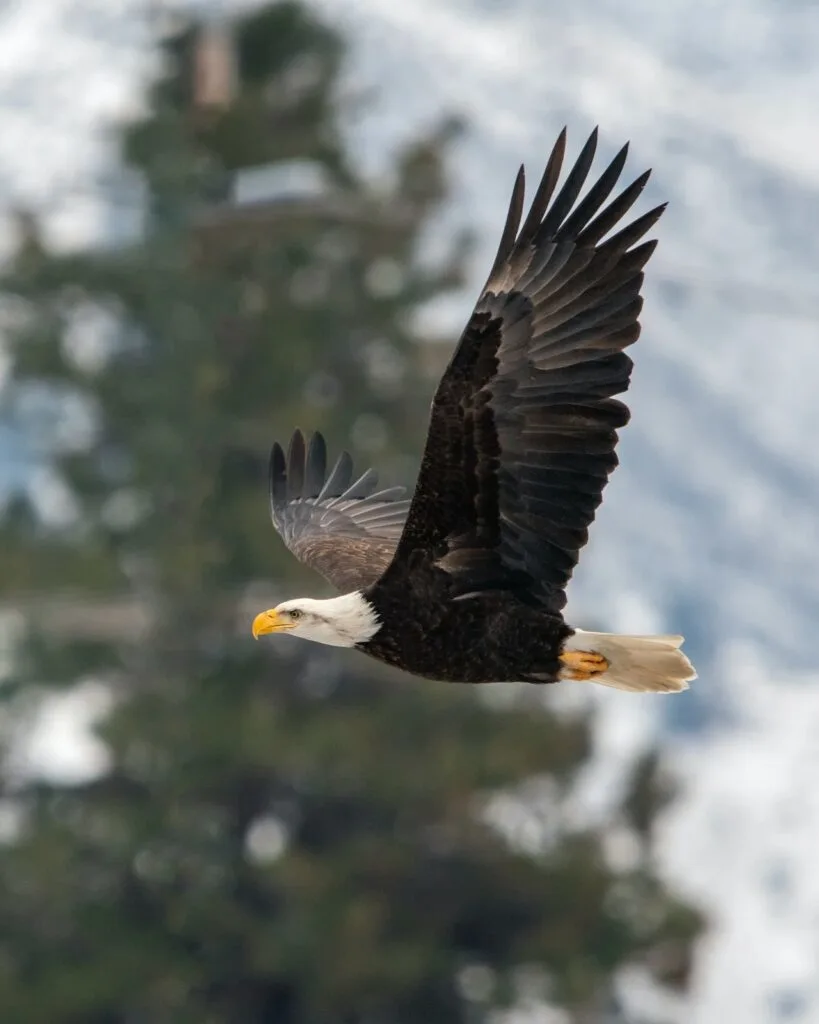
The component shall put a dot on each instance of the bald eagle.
(466, 581)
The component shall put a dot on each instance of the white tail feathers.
(639, 664)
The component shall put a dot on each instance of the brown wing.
(340, 526)
(523, 425)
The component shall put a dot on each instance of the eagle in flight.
(466, 580)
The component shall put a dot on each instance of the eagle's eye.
(295, 613)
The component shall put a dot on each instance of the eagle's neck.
(343, 621)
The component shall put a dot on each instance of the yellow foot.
(582, 665)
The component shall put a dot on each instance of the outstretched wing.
(340, 526)
(523, 425)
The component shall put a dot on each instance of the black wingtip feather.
(566, 197)
(633, 232)
(613, 213)
(596, 196)
(316, 466)
(296, 456)
(277, 477)
(510, 227)
(544, 192)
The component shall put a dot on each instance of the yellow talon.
(582, 666)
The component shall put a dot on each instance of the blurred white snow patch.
(643, 999)
(530, 816)
(622, 849)
(53, 498)
(537, 1013)
(75, 223)
(625, 727)
(634, 612)
(90, 335)
(742, 843)
(267, 839)
(68, 71)
(60, 745)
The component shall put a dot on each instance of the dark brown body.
(479, 638)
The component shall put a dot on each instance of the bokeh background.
(223, 219)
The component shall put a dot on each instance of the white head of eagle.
(338, 621)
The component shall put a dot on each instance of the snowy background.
(709, 525)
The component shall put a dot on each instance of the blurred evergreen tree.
(285, 834)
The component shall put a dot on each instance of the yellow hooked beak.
(270, 622)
